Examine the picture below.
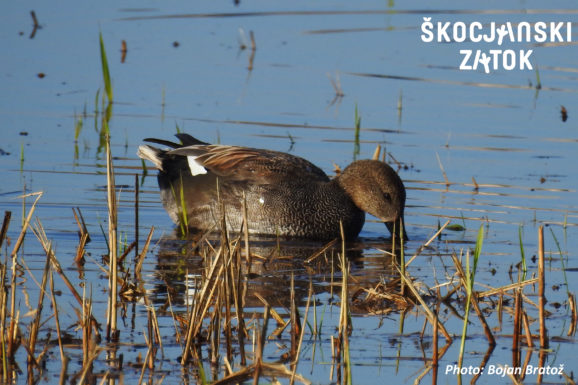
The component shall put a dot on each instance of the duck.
(284, 195)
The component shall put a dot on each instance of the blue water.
(184, 67)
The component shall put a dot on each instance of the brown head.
(376, 188)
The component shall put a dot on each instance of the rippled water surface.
(473, 148)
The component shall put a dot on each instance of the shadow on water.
(273, 263)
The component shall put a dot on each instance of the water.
(184, 67)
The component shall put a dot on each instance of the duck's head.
(376, 188)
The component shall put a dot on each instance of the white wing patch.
(195, 167)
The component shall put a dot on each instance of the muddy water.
(186, 67)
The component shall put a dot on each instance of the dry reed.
(111, 317)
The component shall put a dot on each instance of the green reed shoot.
(399, 106)
(561, 259)
(291, 142)
(175, 198)
(470, 278)
(78, 123)
(523, 256)
(105, 70)
(184, 218)
(538, 82)
(357, 119)
(145, 171)
(21, 157)
(96, 109)
(104, 235)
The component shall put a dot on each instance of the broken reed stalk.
(201, 305)
(154, 333)
(153, 329)
(296, 360)
(422, 247)
(344, 325)
(246, 234)
(146, 360)
(63, 357)
(87, 367)
(88, 345)
(14, 256)
(261, 346)
(517, 329)
(238, 300)
(527, 331)
(80, 221)
(140, 259)
(111, 328)
(295, 321)
(266, 369)
(33, 335)
(572, 304)
(429, 314)
(435, 357)
(376, 152)
(80, 249)
(474, 302)
(504, 289)
(227, 293)
(120, 260)
(83, 235)
(56, 266)
(443, 171)
(541, 286)
(5, 223)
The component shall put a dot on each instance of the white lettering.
(426, 27)
(467, 53)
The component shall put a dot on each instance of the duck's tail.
(152, 154)
(156, 155)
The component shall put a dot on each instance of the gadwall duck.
(285, 195)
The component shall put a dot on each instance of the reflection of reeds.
(541, 286)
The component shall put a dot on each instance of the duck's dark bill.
(393, 228)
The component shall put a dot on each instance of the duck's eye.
(387, 196)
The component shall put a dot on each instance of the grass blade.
(105, 70)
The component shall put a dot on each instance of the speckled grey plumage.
(286, 195)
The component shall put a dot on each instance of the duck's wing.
(249, 164)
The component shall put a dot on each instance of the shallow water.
(184, 67)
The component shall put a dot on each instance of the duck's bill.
(394, 226)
